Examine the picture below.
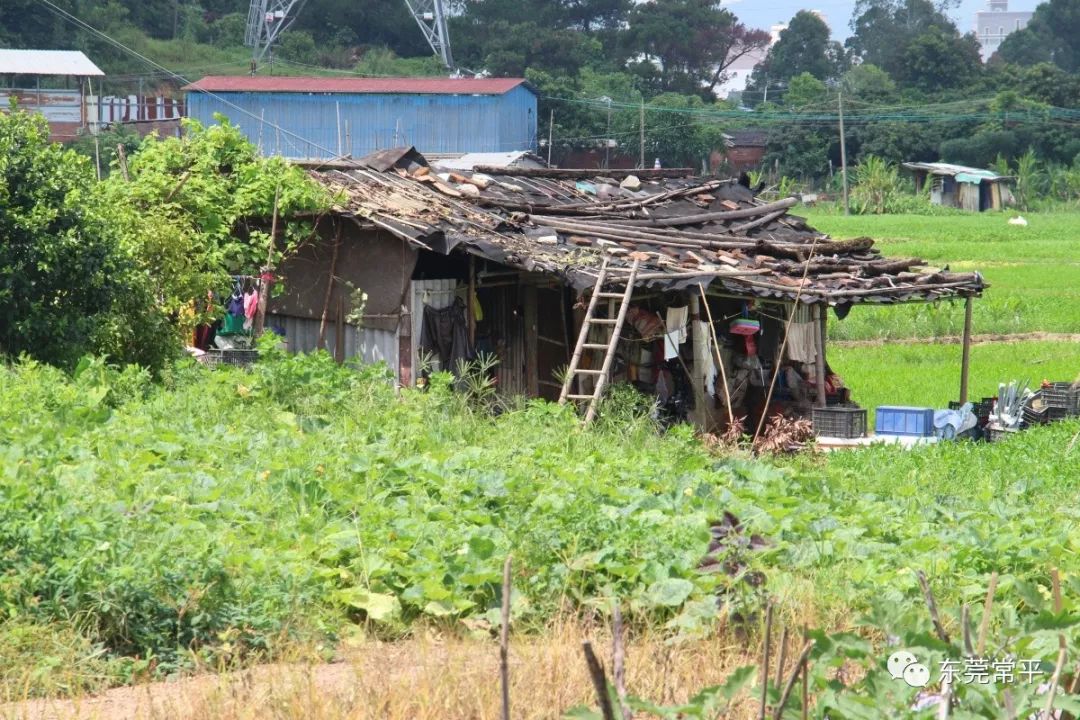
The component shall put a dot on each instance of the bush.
(61, 265)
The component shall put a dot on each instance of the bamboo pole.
(596, 672)
(764, 674)
(965, 357)
(928, 596)
(799, 669)
(984, 625)
(618, 660)
(321, 343)
(504, 640)
(268, 281)
(719, 357)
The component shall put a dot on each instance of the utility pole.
(641, 141)
(607, 140)
(551, 133)
(843, 150)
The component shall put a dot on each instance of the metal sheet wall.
(371, 346)
(370, 122)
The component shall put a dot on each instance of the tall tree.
(940, 60)
(686, 46)
(882, 30)
(1053, 34)
(803, 47)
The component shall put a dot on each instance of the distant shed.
(962, 187)
(55, 83)
(323, 117)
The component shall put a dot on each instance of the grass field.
(1034, 272)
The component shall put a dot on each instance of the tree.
(804, 47)
(60, 265)
(939, 60)
(868, 83)
(804, 90)
(1053, 34)
(882, 30)
(685, 46)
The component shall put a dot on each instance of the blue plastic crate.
(909, 421)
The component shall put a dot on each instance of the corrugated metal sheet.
(47, 62)
(354, 85)
(58, 106)
(370, 346)
(370, 122)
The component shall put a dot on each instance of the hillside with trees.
(912, 82)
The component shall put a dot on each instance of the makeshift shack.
(962, 187)
(504, 261)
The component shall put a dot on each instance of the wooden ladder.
(603, 374)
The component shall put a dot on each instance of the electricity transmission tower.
(266, 20)
(269, 18)
(430, 15)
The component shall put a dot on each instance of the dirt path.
(429, 678)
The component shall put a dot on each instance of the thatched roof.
(692, 230)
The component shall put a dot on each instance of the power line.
(65, 15)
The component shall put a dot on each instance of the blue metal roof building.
(315, 117)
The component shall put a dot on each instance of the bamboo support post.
(764, 674)
(599, 680)
(504, 640)
(782, 659)
(321, 343)
(819, 361)
(799, 669)
(928, 595)
(965, 357)
(984, 624)
(268, 282)
(618, 660)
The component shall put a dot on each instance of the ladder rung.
(594, 346)
(589, 372)
(579, 397)
(602, 321)
(609, 295)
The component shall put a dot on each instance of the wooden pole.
(782, 658)
(928, 595)
(843, 150)
(268, 281)
(764, 675)
(551, 133)
(965, 357)
(700, 414)
(321, 343)
(819, 361)
(504, 640)
(984, 625)
(719, 357)
(799, 669)
(641, 140)
(470, 311)
(618, 660)
(596, 672)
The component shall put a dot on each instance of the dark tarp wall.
(374, 262)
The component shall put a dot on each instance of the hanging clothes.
(675, 322)
(233, 322)
(708, 361)
(802, 336)
(444, 333)
(251, 306)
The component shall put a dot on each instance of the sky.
(762, 14)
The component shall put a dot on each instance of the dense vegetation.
(113, 267)
(228, 514)
(596, 61)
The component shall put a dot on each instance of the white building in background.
(995, 23)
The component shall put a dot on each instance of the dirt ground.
(418, 679)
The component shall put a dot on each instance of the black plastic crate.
(239, 357)
(840, 422)
(1062, 397)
